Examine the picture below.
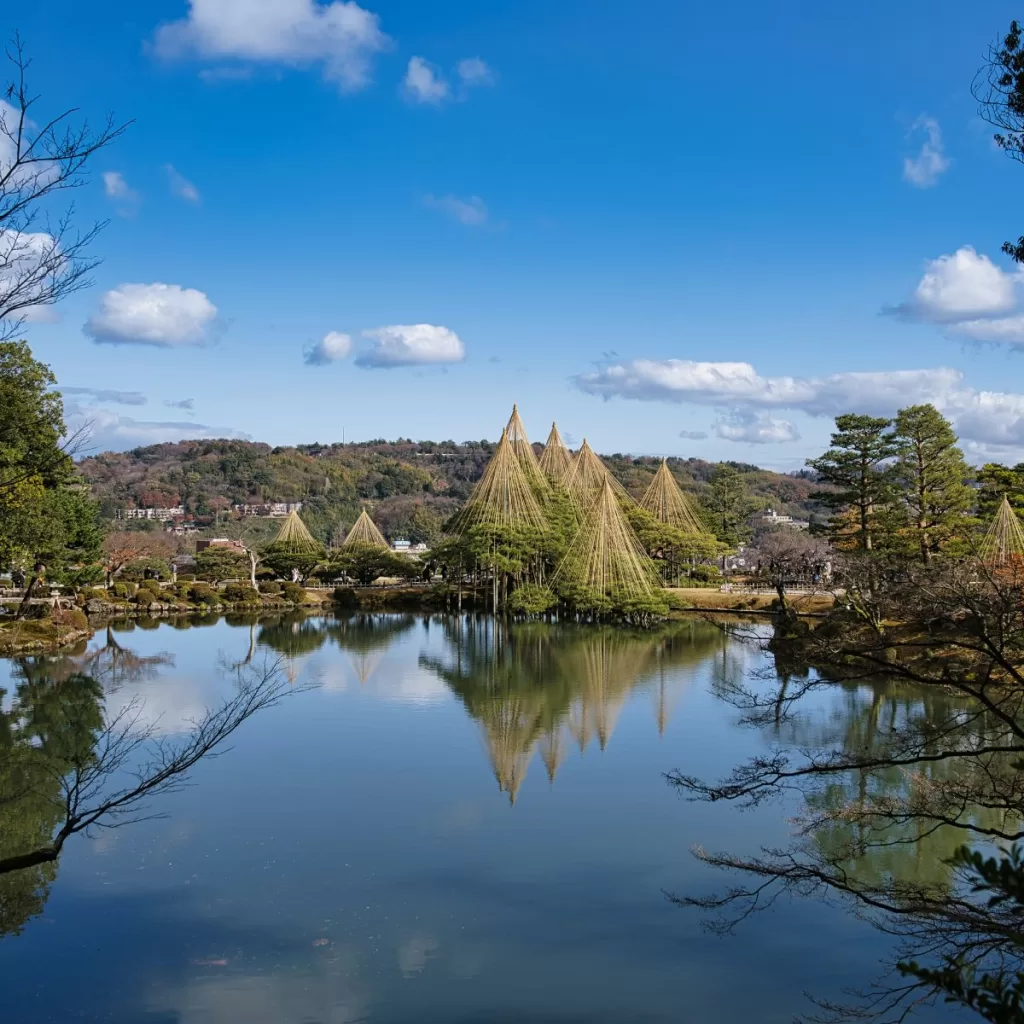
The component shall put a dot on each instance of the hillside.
(413, 486)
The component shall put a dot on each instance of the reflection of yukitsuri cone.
(552, 751)
(294, 537)
(524, 453)
(365, 664)
(555, 461)
(586, 477)
(502, 497)
(605, 556)
(1004, 542)
(665, 501)
(364, 531)
(511, 731)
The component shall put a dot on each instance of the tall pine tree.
(930, 472)
(855, 466)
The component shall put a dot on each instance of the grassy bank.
(716, 601)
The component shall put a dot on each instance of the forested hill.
(412, 485)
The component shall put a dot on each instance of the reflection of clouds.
(392, 679)
(327, 994)
(168, 706)
(407, 684)
(414, 952)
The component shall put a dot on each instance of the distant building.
(181, 527)
(270, 509)
(160, 514)
(224, 543)
(770, 518)
(401, 545)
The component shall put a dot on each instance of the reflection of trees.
(68, 767)
(367, 637)
(543, 687)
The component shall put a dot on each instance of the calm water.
(439, 824)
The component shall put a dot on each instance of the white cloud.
(424, 83)
(107, 395)
(985, 417)
(110, 431)
(341, 36)
(963, 285)
(931, 162)
(693, 435)
(117, 189)
(1007, 330)
(182, 403)
(473, 71)
(164, 315)
(411, 345)
(332, 347)
(25, 257)
(472, 211)
(755, 428)
(181, 186)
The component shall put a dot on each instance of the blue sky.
(644, 221)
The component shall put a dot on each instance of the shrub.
(294, 593)
(271, 588)
(345, 597)
(87, 594)
(241, 593)
(122, 591)
(705, 573)
(532, 599)
(186, 577)
(136, 571)
(202, 593)
(70, 618)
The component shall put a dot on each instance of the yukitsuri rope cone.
(502, 497)
(556, 459)
(511, 729)
(587, 476)
(294, 537)
(1004, 542)
(524, 452)
(605, 557)
(552, 750)
(665, 501)
(364, 531)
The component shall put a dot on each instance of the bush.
(345, 597)
(532, 599)
(186, 577)
(202, 593)
(241, 593)
(69, 618)
(271, 588)
(294, 593)
(122, 591)
(706, 573)
(87, 594)
(136, 570)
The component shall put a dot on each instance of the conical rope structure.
(605, 558)
(502, 497)
(1004, 542)
(665, 500)
(364, 532)
(587, 476)
(524, 453)
(294, 538)
(556, 459)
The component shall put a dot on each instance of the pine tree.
(930, 473)
(854, 465)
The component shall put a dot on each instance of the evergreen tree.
(996, 480)
(929, 471)
(730, 504)
(854, 465)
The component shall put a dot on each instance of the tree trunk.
(29, 590)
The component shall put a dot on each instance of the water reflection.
(538, 688)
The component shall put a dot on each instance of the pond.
(441, 820)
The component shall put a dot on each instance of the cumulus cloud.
(163, 315)
(117, 189)
(960, 286)
(755, 428)
(107, 395)
(472, 71)
(27, 259)
(693, 435)
(424, 82)
(182, 403)
(411, 345)
(986, 417)
(340, 37)
(931, 162)
(331, 348)
(181, 186)
(472, 211)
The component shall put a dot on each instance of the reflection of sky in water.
(351, 858)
